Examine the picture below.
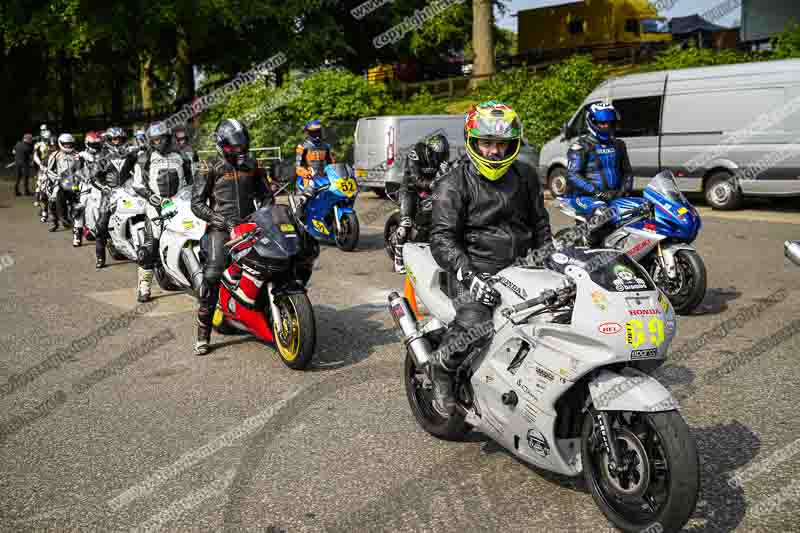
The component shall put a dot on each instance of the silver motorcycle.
(564, 382)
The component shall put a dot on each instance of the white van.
(727, 131)
(382, 143)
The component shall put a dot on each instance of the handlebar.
(548, 296)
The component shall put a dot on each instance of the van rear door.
(640, 106)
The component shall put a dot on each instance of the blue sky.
(681, 8)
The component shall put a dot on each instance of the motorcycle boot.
(203, 343)
(100, 253)
(208, 303)
(145, 279)
(77, 236)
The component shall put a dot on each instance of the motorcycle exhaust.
(418, 346)
(791, 249)
(192, 267)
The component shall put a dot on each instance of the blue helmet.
(601, 112)
(313, 128)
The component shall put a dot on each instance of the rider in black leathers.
(106, 179)
(223, 194)
(487, 212)
(423, 163)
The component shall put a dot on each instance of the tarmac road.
(109, 422)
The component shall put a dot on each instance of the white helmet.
(66, 142)
(43, 128)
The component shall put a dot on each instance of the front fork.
(667, 263)
(603, 430)
(274, 309)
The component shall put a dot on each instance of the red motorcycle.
(263, 290)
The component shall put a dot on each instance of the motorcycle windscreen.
(338, 170)
(621, 274)
(279, 238)
(664, 185)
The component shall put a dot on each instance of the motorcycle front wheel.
(419, 398)
(296, 339)
(348, 238)
(658, 479)
(687, 291)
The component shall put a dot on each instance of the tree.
(482, 41)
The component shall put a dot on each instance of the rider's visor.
(233, 149)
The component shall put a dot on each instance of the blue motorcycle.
(329, 216)
(657, 231)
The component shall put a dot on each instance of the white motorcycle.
(126, 224)
(563, 384)
(180, 266)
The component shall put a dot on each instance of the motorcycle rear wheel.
(297, 340)
(660, 478)
(453, 428)
(389, 229)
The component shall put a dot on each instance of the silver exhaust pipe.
(418, 346)
(791, 249)
(193, 267)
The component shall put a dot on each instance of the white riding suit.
(156, 177)
(90, 164)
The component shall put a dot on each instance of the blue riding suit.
(596, 166)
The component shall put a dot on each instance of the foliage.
(677, 57)
(544, 104)
(787, 43)
(421, 103)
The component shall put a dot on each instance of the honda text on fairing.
(564, 382)
(660, 239)
(329, 216)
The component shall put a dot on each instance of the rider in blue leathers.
(312, 156)
(599, 169)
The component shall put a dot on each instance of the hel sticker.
(286, 228)
(609, 328)
(560, 258)
(650, 353)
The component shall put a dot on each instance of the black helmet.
(433, 151)
(233, 141)
(158, 136)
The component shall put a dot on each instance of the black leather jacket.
(223, 194)
(483, 225)
(418, 177)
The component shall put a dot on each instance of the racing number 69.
(635, 333)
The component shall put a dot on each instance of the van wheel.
(722, 193)
(557, 181)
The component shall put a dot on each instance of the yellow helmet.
(493, 121)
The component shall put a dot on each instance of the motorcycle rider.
(158, 174)
(105, 179)
(223, 194)
(182, 143)
(428, 158)
(64, 160)
(486, 213)
(598, 163)
(91, 159)
(41, 151)
(312, 156)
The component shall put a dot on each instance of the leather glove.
(155, 200)
(479, 287)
